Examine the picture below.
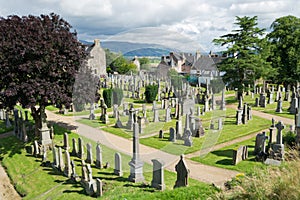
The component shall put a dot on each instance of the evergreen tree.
(285, 39)
(247, 52)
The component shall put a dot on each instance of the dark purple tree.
(39, 60)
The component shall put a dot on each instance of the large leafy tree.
(285, 39)
(247, 52)
(39, 59)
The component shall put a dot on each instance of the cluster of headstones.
(293, 98)
(243, 113)
(274, 151)
(4, 115)
(21, 126)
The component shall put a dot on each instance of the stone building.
(97, 59)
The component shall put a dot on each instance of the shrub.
(112, 96)
(107, 96)
(150, 93)
(117, 96)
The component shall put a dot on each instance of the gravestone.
(178, 129)
(187, 137)
(293, 105)
(89, 155)
(262, 100)
(156, 115)
(74, 150)
(239, 154)
(115, 110)
(66, 141)
(136, 165)
(158, 175)
(273, 133)
(172, 135)
(98, 156)
(99, 184)
(80, 148)
(55, 163)
(92, 112)
(256, 102)
(131, 118)
(118, 122)
(187, 105)
(68, 169)
(73, 174)
(161, 134)
(168, 114)
(45, 139)
(61, 164)
(199, 128)
(279, 106)
(260, 146)
(220, 124)
(125, 109)
(182, 173)
(280, 126)
(240, 106)
(36, 149)
(118, 165)
(239, 117)
(244, 115)
(249, 113)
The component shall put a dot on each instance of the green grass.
(223, 158)
(38, 182)
(3, 128)
(230, 131)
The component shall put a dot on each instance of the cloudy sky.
(184, 24)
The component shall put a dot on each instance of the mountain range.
(131, 49)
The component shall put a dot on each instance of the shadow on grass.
(144, 187)
(61, 127)
(11, 146)
(224, 153)
(224, 162)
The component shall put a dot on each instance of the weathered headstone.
(244, 115)
(172, 135)
(74, 149)
(239, 117)
(279, 106)
(55, 163)
(239, 154)
(158, 175)
(68, 169)
(98, 156)
(187, 137)
(61, 164)
(168, 114)
(118, 165)
(161, 134)
(99, 183)
(182, 173)
(66, 141)
(89, 154)
(178, 129)
(260, 145)
(156, 115)
(80, 148)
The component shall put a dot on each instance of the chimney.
(97, 42)
(198, 54)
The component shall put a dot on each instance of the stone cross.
(280, 126)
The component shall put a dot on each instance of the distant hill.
(130, 49)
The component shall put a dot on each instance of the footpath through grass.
(34, 181)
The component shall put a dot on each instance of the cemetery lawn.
(34, 181)
(269, 109)
(223, 158)
(230, 131)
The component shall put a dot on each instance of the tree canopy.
(285, 39)
(39, 59)
(247, 52)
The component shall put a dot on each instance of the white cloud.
(199, 20)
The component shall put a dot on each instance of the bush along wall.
(150, 93)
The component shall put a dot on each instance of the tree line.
(254, 54)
